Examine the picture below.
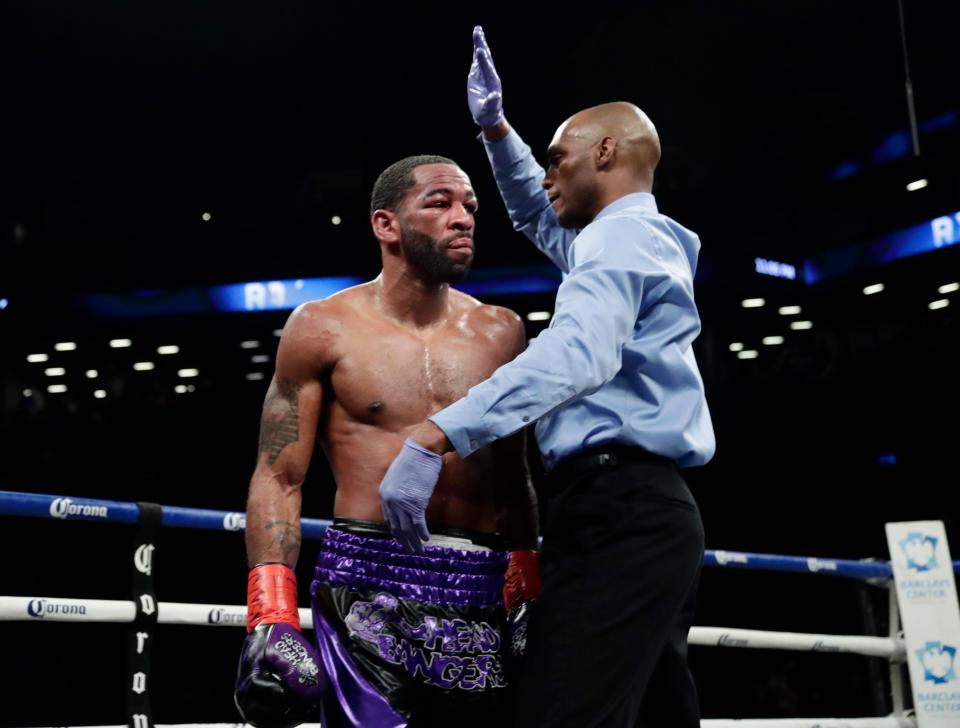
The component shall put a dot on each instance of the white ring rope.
(220, 615)
(892, 649)
(891, 721)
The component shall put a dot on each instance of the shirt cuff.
(460, 422)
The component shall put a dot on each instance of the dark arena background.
(177, 175)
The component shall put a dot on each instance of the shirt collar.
(644, 200)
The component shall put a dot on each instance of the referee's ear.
(606, 153)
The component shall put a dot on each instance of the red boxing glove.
(521, 582)
(521, 586)
(272, 596)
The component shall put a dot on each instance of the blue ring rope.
(35, 505)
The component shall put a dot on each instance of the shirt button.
(526, 419)
(474, 444)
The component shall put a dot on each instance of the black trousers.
(620, 563)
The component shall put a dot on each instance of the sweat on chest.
(407, 381)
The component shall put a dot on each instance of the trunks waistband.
(378, 529)
(441, 575)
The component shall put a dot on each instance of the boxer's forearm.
(273, 520)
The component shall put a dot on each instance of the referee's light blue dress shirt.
(616, 364)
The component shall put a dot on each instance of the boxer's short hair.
(394, 182)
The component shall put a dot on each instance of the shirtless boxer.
(404, 639)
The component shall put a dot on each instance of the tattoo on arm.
(286, 538)
(280, 424)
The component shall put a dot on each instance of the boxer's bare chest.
(393, 377)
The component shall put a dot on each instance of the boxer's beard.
(429, 256)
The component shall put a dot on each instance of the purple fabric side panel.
(351, 701)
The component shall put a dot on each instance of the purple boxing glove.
(484, 92)
(405, 491)
(279, 679)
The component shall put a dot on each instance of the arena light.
(941, 303)
(917, 184)
(948, 288)
(788, 310)
(92, 373)
(4, 302)
(55, 371)
(336, 220)
(736, 346)
(260, 359)
(250, 344)
(57, 388)
(180, 389)
(37, 358)
(801, 325)
(206, 217)
(775, 268)
(872, 289)
(187, 373)
(168, 349)
(143, 366)
(66, 346)
(28, 393)
(748, 354)
(100, 393)
(753, 303)
(538, 316)
(120, 343)
(278, 332)
(772, 340)
(254, 376)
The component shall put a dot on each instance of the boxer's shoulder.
(314, 331)
(486, 318)
(501, 326)
(331, 317)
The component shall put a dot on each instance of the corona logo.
(143, 559)
(40, 608)
(63, 507)
(235, 521)
(219, 615)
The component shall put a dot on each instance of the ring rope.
(891, 721)
(34, 505)
(220, 615)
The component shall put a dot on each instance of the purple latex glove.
(405, 491)
(484, 93)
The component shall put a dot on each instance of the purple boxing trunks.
(409, 640)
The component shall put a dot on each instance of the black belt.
(576, 466)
